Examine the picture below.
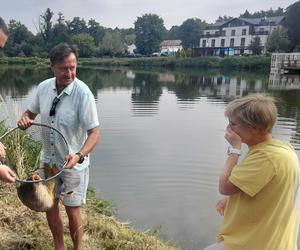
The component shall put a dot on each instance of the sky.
(123, 14)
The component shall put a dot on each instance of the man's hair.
(255, 110)
(3, 26)
(62, 50)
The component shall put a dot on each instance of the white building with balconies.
(234, 36)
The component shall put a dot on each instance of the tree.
(149, 31)
(278, 41)
(85, 43)
(255, 46)
(77, 26)
(60, 31)
(246, 14)
(20, 40)
(173, 33)
(190, 32)
(96, 31)
(112, 44)
(291, 23)
(45, 25)
(224, 18)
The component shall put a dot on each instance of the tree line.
(95, 40)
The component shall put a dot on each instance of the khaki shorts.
(71, 185)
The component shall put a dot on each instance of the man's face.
(65, 71)
(3, 38)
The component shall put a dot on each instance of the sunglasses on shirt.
(53, 106)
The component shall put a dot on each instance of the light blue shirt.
(76, 113)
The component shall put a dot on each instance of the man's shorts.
(71, 185)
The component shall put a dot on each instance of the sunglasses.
(53, 107)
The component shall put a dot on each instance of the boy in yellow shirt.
(261, 211)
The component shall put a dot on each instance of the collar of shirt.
(67, 90)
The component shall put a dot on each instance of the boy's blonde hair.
(255, 110)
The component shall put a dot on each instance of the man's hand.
(25, 122)
(2, 151)
(26, 119)
(6, 174)
(72, 160)
(233, 138)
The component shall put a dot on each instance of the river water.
(162, 140)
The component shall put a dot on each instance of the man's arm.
(89, 144)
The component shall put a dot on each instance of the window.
(204, 43)
(233, 32)
(244, 32)
(207, 33)
(242, 42)
(223, 33)
(213, 41)
(222, 42)
(231, 42)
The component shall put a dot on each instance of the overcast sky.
(123, 14)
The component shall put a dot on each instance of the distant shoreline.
(249, 63)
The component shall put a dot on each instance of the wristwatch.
(235, 151)
(81, 157)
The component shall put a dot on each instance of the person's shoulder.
(46, 82)
(45, 85)
(82, 86)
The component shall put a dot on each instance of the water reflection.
(284, 81)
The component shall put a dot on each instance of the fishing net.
(28, 151)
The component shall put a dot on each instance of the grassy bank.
(21, 228)
(233, 62)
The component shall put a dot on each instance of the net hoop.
(44, 180)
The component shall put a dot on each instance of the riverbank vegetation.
(261, 63)
(22, 228)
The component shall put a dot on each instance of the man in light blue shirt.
(66, 103)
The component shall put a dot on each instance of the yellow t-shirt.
(265, 215)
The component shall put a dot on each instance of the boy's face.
(3, 38)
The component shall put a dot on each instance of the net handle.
(64, 164)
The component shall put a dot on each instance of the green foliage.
(77, 26)
(22, 152)
(224, 18)
(85, 43)
(173, 33)
(149, 31)
(255, 46)
(278, 41)
(96, 31)
(190, 32)
(112, 44)
(262, 13)
(291, 23)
